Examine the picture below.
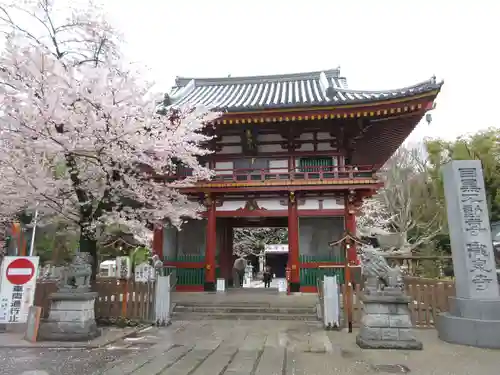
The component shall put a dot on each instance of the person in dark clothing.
(267, 277)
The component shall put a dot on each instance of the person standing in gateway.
(267, 277)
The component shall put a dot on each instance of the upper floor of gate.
(305, 129)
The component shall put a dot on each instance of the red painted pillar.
(225, 257)
(158, 240)
(211, 243)
(350, 226)
(229, 252)
(293, 243)
(222, 252)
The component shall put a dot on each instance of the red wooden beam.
(285, 187)
(277, 213)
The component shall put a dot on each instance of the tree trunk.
(88, 244)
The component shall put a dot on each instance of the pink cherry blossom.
(83, 139)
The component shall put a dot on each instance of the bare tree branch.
(407, 204)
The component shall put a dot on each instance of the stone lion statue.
(378, 273)
(76, 276)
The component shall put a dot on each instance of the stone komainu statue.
(378, 273)
(77, 274)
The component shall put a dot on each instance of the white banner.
(17, 288)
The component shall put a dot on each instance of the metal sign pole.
(32, 244)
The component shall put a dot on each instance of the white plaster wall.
(271, 148)
(309, 204)
(271, 204)
(231, 205)
(270, 137)
(307, 147)
(230, 139)
(306, 136)
(323, 135)
(325, 146)
(332, 204)
(230, 150)
(228, 165)
(278, 166)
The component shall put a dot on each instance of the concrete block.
(389, 334)
(400, 321)
(370, 333)
(388, 344)
(376, 308)
(406, 334)
(402, 310)
(375, 320)
(71, 318)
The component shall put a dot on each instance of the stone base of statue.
(71, 317)
(386, 322)
(472, 322)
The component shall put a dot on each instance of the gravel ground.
(56, 362)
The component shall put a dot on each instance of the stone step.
(248, 303)
(244, 309)
(242, 316)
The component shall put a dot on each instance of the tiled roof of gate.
(319, 88)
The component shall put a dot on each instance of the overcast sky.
(378, 44)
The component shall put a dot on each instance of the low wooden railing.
(116, 298)
(298, 173)
(429, 297)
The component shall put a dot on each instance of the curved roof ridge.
(330, 73)
(431, 81)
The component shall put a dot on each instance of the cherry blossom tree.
(81, 134)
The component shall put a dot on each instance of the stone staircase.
(244, 305)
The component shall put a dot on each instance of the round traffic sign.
(20, 271)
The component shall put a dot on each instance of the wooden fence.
(115, 299)
(429, 297)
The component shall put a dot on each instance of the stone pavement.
(250, 348)
(286, 348)
(13, 340)
(41, 361)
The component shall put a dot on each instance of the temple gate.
(297, 150)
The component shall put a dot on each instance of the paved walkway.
(249, 348)
(298, 348)
(260, 284)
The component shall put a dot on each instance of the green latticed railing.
(310, 275)
(190, 275)
(327, 258)
(185, 258)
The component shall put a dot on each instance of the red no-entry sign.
(20, 271)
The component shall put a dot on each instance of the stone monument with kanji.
(474, 316)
